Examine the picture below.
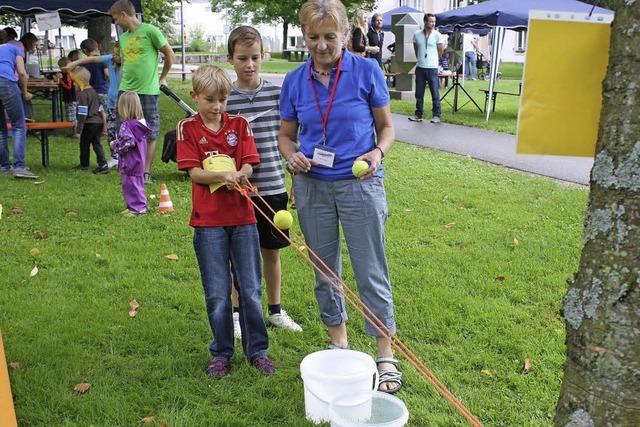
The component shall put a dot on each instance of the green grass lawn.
(470, 301)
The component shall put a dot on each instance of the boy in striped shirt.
(258, 101)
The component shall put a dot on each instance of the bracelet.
(381, 152)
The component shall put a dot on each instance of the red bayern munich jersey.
(195, 142)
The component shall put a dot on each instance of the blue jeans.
(11, 103)
(215, 248)
(430, 76)
(470, 57)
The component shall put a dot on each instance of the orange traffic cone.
(165, 205)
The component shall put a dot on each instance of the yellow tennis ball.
(359, 168)
(283, 220)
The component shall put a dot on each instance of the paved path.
(493, 147)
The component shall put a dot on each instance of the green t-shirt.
(140, 53)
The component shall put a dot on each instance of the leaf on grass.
(71, 213)
(450, 225)
(464, 206)
(487, 373)
(81, 388)
(164, 425)
(98, 256)
(408, 210)
(152, 196)
(527, 365)
(34, 251)
(133, 306)
(148, 419)
(302, 248)
(500, 278)
(516, 242)
(0, 211)
(38, 182)
(172, 257)
(42, 235)
(16, 210)
(34, 271)
(596, 348)
(15, 366)
(540, 198)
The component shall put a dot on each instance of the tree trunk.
(285, 34)
(99, 29)
(601, 385)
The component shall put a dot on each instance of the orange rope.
(352, 298)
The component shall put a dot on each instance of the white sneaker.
(237, 332)
(112, 163)
(435, 119)
(282, 320)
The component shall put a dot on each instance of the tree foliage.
(159, 12)
(267, 12)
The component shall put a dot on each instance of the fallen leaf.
(596, 348)
(0, 211)
(148, 419)
(172, 257)
(98, 256)
(82, 388)
(527, 365)
(302, 248)
(16, 210)
(15, 366)
(38, 182)
(464, 206)
(487, 373)
(500, 278)
(540, 198)
(164, 425)
(516, 242)
(408, 210)
(34, 251)
(450, 225)
(71, 213)
(152, 196)
(133, 305)
(34, 271)
(42, 235)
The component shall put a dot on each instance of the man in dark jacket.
(376, 37)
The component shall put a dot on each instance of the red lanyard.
(332, 95)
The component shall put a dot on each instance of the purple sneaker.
(218, 367)
(264, 365)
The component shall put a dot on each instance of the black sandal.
(389, 376)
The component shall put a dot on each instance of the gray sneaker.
(415, 118)
(6, 171)
(24, 173)
(112, 163)
(435, 119)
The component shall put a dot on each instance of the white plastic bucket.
(329, 373)
(382, 410)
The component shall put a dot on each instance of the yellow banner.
(566, 62)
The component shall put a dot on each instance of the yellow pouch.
(218, 163)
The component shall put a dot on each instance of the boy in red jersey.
(223, 220)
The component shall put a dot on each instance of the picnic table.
(43, 129)
(494, 96)
(295, 55)
(47, 89)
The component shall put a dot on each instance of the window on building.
(67, 42)
(454, 4)
(418, 4)
(521, 41)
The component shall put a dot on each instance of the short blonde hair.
(81, 74)
(315, 11)
(211, 78)
(129, 106)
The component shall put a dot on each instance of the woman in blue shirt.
(13, 90)
(337, 106)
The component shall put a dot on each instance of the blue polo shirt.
(351, 129)
(114, 81)
(8, 54)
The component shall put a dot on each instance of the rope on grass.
(352, 298)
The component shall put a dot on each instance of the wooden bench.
(7, 411)
(44, 129)
(494, 96)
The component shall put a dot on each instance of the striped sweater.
(268, 176)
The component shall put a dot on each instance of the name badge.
(324, 156)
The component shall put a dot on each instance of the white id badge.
(324, 156)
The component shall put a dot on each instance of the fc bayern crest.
(232, 139)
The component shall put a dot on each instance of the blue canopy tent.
(501, 15)
(386, 16)
(71, 11)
